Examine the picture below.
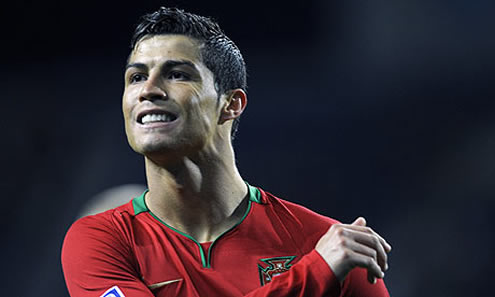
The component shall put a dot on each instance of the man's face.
(170, 104)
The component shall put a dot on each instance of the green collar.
(139, 204)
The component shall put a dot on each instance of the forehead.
(156, 48)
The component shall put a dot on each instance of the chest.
(242, 260)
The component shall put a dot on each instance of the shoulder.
(111, 223)
(299, 212)
(106, 233)
(305, 225)
(106, 224)
(98, 253)
(98, 244)
(96, 232)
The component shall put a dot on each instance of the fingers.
(376, 261)
(346, 246)
(369, 245)
(374, 271)
(356, 225)
(371, 278)
(371, 249)
(360, 221)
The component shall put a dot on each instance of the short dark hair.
(218, 52)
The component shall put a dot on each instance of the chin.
(164, 149)
(154, 148)
(175, 147)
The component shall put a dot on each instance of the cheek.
(127, 103)
(202, 107)
(207, 114)
(125, 112)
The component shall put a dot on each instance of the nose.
(152, 91)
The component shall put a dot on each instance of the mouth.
(155, 116)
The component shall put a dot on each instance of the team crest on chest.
(276, 266)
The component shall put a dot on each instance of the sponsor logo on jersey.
(113, 292)
(276, 266)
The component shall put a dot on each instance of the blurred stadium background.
(377, 108)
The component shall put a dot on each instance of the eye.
(178, 75)
(137, 77)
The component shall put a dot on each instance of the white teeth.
(151, 118)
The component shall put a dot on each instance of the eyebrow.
(167, 65)
(136, 65)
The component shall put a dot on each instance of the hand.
(347, 246)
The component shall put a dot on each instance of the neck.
(202, 197)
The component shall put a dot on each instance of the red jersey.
(128, 251)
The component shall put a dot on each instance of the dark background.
(377, 108)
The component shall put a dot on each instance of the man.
(200, 229)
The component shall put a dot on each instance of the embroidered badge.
(113, 292)
(276, 266)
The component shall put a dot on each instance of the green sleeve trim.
(139, 205)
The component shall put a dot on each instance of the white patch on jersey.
(113, 292)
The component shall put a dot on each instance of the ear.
(234, 106)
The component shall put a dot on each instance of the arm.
(313, 277)
(349, 260)
(355, 254)
(94, 259)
